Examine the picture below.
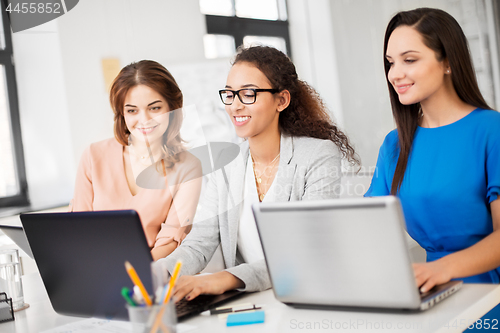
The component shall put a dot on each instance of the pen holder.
(6, 310)
(143, 318)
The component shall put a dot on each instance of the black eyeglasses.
(246, 96)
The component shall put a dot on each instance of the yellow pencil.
(171, 286)
(173, 279)
(135, 279)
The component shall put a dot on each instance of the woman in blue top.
(443, 160)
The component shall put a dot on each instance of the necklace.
(148, 159)
(142, 157)
(258, 179)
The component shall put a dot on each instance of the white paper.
(93, 325)
(96, 325)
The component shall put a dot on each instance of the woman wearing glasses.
(293, 152)
(145, 166)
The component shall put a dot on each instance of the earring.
(447, 71)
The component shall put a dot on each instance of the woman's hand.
(190, 287)
(476, 259)
(430, 274)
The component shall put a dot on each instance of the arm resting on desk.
(476, 259)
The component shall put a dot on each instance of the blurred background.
(54, 91)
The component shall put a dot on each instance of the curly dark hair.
(306, 115)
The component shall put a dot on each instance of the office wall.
(336, 46)
(314, 50)
(62, 96)
(61, 61)
(45, 120)
(167, 31)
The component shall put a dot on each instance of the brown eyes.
(407, 61)
(154, 108)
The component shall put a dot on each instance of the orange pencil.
(135, 279)
(171, 286)
(173, 279)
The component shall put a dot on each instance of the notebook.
(348, 253)
(81, 259)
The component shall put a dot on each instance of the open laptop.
(342, 253)
(17, 235)
(81, 259)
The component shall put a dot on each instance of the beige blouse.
(166, 214)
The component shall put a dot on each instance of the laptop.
(347, 253)
(81, 256)
(17, 235)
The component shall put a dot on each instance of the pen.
(135, 279)
(158, 295)
(126, 295)
(137, 296)
(233, 309)
(163, 294)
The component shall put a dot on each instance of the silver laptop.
(342, 253)
(17, 235)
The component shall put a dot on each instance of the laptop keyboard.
(197, 305)
(202, 303)
(438, 293)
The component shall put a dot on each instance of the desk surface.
(467, 305)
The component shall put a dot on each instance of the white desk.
(468, 304)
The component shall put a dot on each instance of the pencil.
(173, 279)
(171, 286)
(135, 279)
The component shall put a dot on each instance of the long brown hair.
(155, 76)
(442, 34)
(306, 115)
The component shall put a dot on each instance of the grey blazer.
(309, 169)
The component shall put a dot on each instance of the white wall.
(62, 96)
(43, 108)
(167, 31)
(336, 46)
(314, 50)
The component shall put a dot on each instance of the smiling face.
(251, 120)
(415, 72)
(146, 113)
